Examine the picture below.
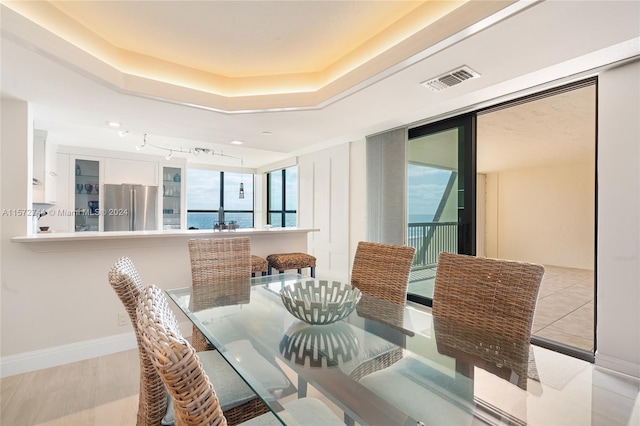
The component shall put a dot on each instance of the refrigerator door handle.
(132, 215)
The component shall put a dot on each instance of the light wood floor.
(101, 391)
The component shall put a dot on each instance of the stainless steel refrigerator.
(130, 207)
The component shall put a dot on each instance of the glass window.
(207, 190)
(282, 197)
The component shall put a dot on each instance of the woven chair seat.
(258, 264)
(284, 261)
(299, 261)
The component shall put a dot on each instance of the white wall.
(323, 203)
(357, 196)
(542, 215)
(618, 272)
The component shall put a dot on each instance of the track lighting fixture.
(192, 151)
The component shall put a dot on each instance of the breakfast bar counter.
(263, 241)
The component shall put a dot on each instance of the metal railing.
(431, 238)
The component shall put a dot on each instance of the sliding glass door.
(441, 192)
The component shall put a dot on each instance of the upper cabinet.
(44, 169)
(87, 194)
(118, 171)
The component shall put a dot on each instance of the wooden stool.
(258, 264)
(284, 261)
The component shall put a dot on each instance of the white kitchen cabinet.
(88, 195)
(173, 197)
(118, 171)
(44, 169)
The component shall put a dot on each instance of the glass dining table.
(383, 364)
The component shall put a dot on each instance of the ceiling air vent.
(450, 79)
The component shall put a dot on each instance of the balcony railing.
(431, 238)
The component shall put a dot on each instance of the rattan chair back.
(152, 404)
(194, 398)
(217, 261)
(498, 296)
(382, 270)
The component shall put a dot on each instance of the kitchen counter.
(113, 235)
(263, 241)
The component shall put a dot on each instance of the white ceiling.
(73, 91)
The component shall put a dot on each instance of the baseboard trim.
(66, 354)
(618, 365)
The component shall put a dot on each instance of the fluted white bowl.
(320, 301)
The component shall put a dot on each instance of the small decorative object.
(78, 172)
(93, 207)
(44, 228)
(320, 345)
(88, 187)
(176, 177)
(79, 187)
(320, 301)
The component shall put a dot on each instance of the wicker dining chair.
(217, 261)
(382, 270)
(152, 399)
(495, 295)
(194, 397)
(242, 403)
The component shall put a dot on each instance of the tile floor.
(565, 307)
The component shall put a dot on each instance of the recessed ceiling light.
(236, 142)
(113, 124)
(266, 133)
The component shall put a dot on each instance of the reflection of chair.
(217, 261)
(382, 270)
(497, 296)
(195, 399)
(152, 403)
(508, 359)
(205, 296)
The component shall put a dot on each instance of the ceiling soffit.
(404, 41)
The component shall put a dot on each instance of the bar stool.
(258, 264)
(284, 261)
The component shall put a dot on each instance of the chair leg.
(253, 274)
(300, 271)
(269, 269)
(313, 272)
(264, 274)
(281, 271)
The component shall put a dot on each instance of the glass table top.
(382, 364)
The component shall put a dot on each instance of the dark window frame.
(221, 203)
(284, 211)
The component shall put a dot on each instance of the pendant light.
(241, 194)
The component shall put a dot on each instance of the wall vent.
(450, 78)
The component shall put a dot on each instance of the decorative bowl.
(320, 301)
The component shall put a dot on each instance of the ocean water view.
(244, 220)
(420, 218)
